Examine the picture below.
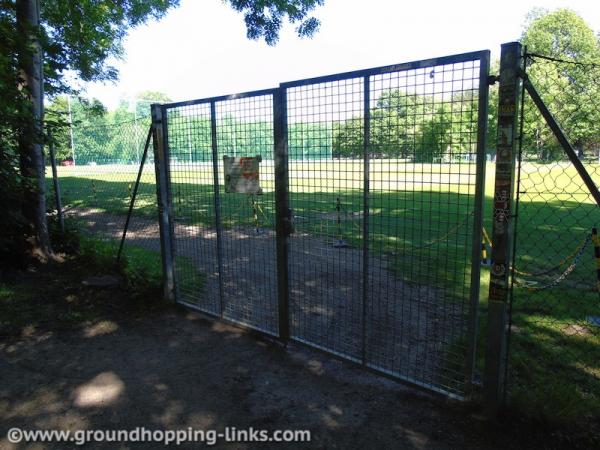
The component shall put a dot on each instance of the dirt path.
(408, 328)
(81, 358)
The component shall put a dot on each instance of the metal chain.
(565, 260)
(452, 231)
(531, 285)
(578, 249)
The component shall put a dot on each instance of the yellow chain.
(528, 274)
(445, 236)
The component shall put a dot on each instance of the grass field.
(419, 219)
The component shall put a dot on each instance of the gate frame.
(283, 213)
(483, 56)
(163, 186)
(283, 219)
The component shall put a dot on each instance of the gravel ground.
(408, 326)
(77, 357)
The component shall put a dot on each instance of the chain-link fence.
(96, 173)
(554, 350)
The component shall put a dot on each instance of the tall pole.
(511, 63)
(71, 129)
(135, 130)
(163, 194)
(283, 216)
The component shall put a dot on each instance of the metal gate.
(223, 243)
(380, 173)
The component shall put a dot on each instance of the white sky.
(200, 49)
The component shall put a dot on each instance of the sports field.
(419, 219)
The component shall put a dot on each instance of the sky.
(200, 49)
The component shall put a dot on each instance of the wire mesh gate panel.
(383, 170)
(326, 196)
(386, 172)
(224, 243)
(249, 279)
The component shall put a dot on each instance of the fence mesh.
(97, 173)
(422, 195)
(224, 242)
(249, 277)
(380, 263)
(193, 206)
(382, 180)
(326, 196)
(555, 332)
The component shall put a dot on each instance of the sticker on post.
(242, 175)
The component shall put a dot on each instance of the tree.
(75, 36)
(264, 18)
(79, 37)
(31, 161)
(64, 114)
(434, 137)
(571, 89)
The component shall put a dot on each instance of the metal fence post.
(217, 202)
(476, 254)
(366, 186)
(161, 161)
(511, 62)
(55, 180)
(283, 219)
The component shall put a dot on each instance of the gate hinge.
(493, 79)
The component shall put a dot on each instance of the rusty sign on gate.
(242, 174)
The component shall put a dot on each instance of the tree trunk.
(31, 158)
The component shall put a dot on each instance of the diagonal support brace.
(134, 194)
(562, 139)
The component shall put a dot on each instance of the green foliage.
(560, 34)
(100, 136)
(435, 137)
(59, 114)
(76, 37)
(13, 116)
(570, 90)
(264, 18)
(12, 221)
(309, 141)
(406, 125)
(81, 36)
(141, 268)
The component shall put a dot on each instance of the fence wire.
(380, 263)
(555, 331)
(225, 260)
(97, 171)
(193, 206)
(385, 171)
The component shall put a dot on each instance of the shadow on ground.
(76, 357)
